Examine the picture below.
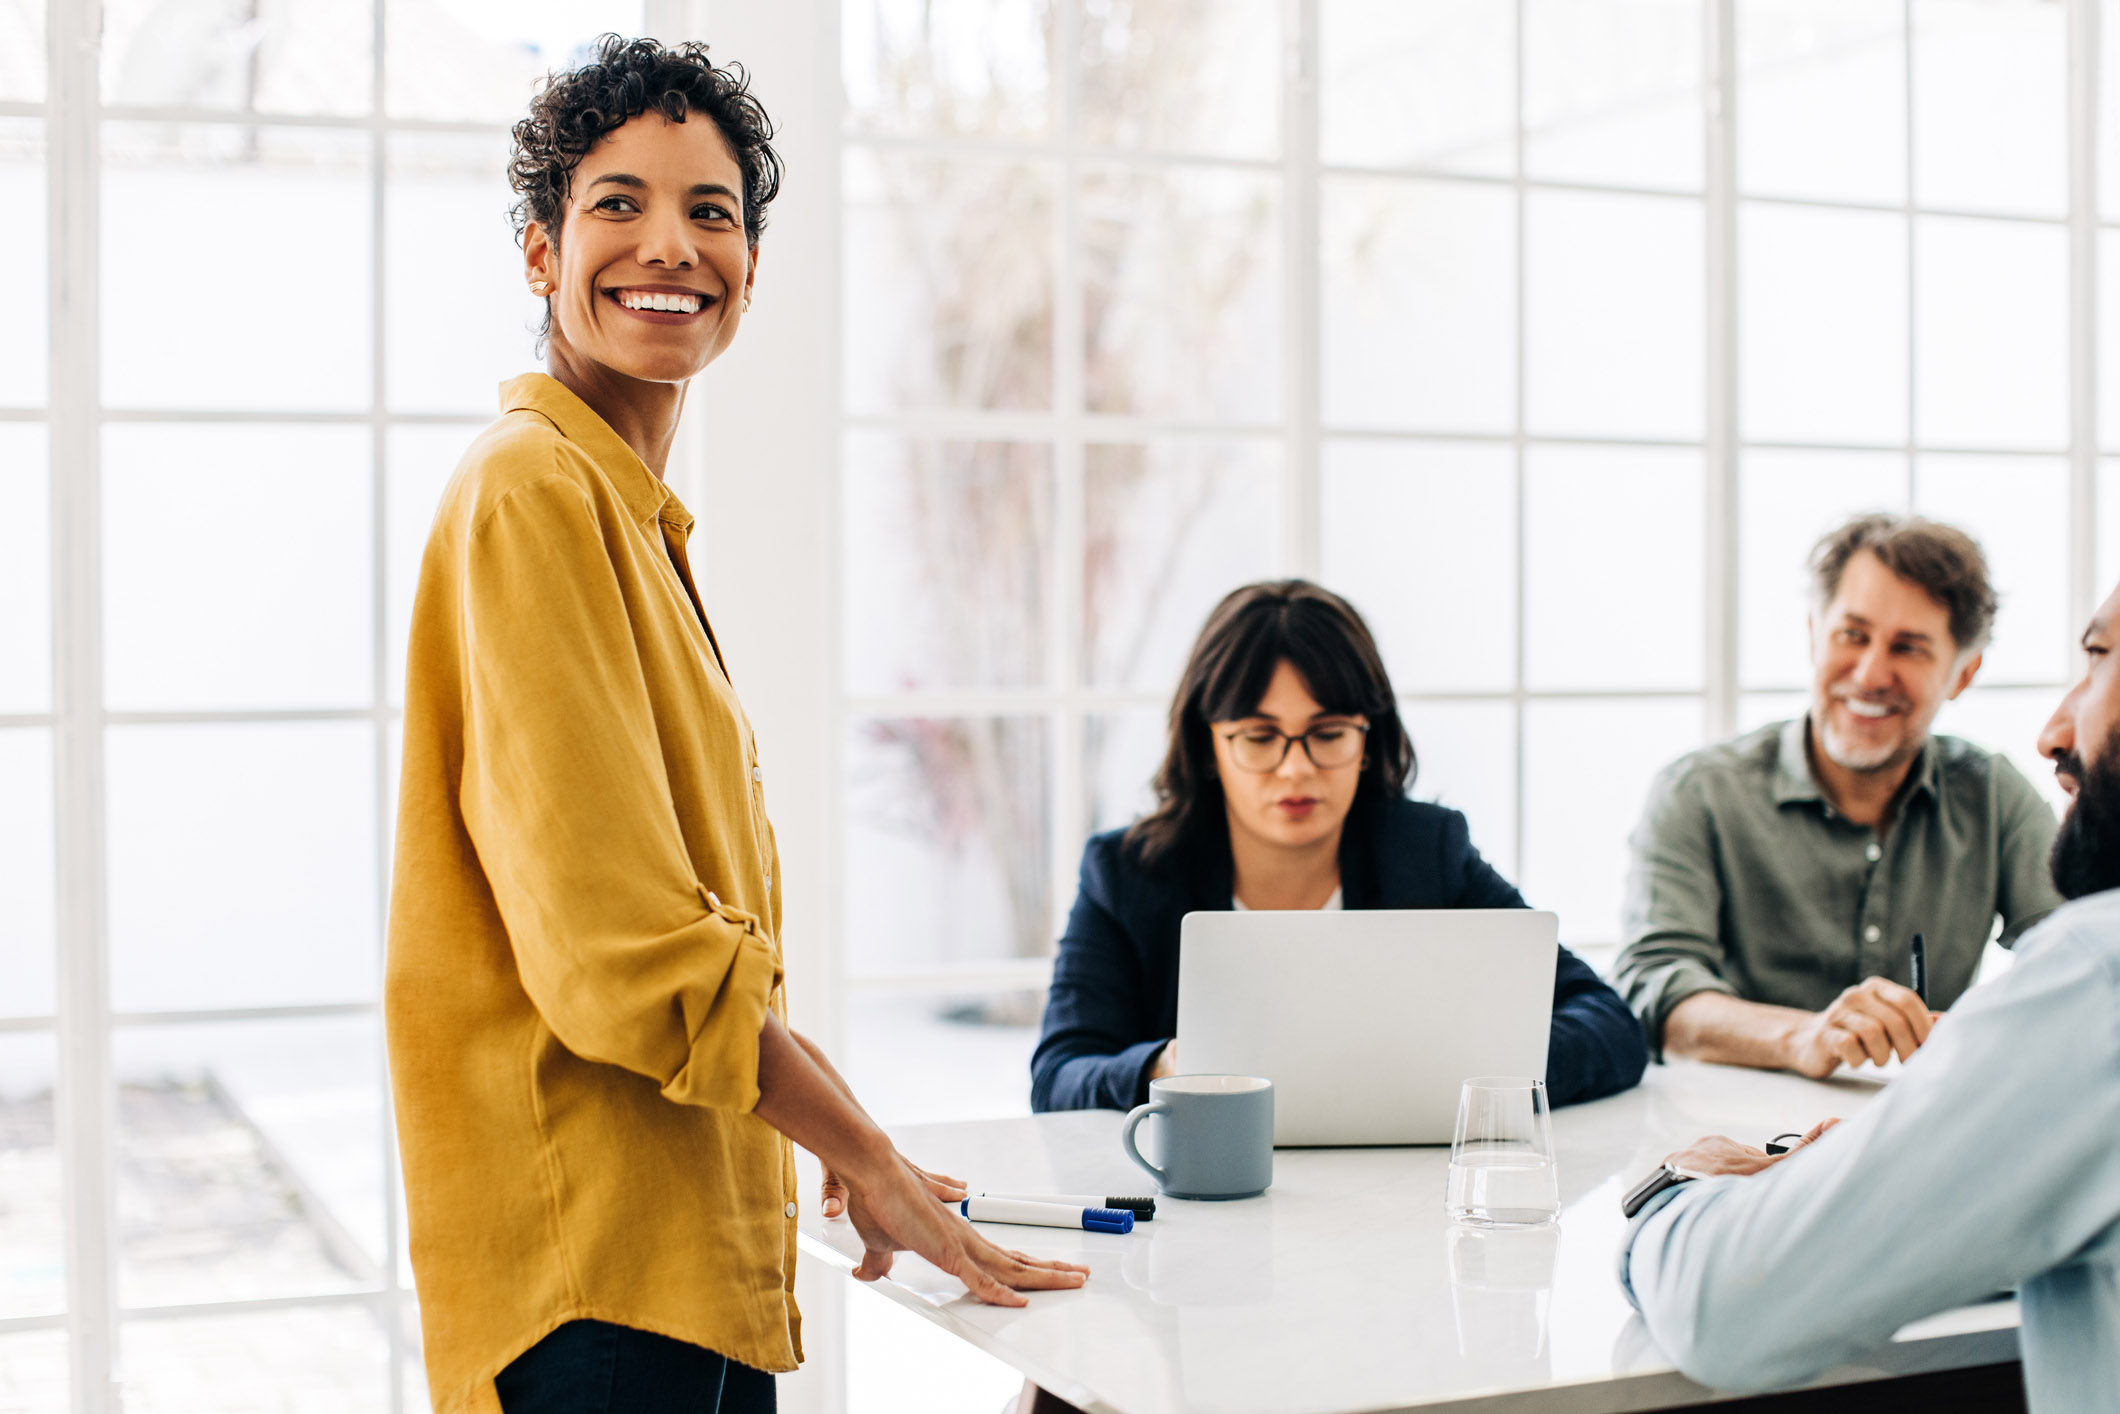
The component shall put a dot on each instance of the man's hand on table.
(1715, 1156)
(1166, 1061)
(1873, 1021)
(898, 1211)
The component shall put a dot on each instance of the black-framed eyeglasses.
(1329, 745)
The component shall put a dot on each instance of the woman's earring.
(539, 288)
(746, 305)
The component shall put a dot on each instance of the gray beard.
(1863, 763)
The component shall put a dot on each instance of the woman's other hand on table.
(945, 1188)
(899, 1212)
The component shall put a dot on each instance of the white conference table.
(1345, 1288)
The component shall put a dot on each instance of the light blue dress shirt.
(1992, 1161)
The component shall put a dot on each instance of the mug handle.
(1133, 1122)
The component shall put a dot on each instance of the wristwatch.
(1664, 1177)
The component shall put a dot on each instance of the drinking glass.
(1501, 1160)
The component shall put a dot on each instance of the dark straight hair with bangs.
(1250, 633)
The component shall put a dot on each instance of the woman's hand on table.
(899, 1212)
(945, 1188)
(1715, 1156)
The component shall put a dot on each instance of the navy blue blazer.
(1114, 999)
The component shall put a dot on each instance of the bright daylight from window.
(1471, 310)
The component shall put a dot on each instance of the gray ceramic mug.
(1215, 1133)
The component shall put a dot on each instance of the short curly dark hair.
(628, 77)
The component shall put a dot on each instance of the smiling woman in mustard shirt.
(595, 1084)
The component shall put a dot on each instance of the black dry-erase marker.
(1921, 969)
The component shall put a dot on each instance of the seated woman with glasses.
(1284, 786)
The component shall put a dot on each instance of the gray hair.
(1942, 559)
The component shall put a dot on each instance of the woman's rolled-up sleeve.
(621, 949)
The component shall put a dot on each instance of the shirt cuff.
(721, 1069)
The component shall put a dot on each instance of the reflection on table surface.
(1344, 1287)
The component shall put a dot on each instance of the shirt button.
(758, 774)
(791, 1210)
(1874, 853)
(1872, 933)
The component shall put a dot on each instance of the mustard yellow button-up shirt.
(584, 924)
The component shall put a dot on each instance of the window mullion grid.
(1516, 694)
(1300, 200)
(388, 1307)
(1720, 622)
(86, 1114)
(1066, 649)
(2084, 80)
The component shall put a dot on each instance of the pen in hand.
(1921, 970)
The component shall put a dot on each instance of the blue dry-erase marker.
(1015, 1210)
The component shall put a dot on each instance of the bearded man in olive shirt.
(1778, 880)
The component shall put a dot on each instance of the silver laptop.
(1366, 1022)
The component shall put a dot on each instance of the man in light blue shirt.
(1993, 1161)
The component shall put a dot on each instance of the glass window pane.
(2109, 111)
(2108, 501)
(1418, 83)
(25, 568)
(1587, 768)
(279, 319)
(33, 1373)
(250, 1159)
(948, 271)
(481, 60)
(1823, 325)
(26, 352)
(22, 66)
(1466, 758)
(2109, 330)
(242, 865)
(1759, 709)
(1170, 527)
(1209, 101)
(964, 68)
(1612, 568)
(2009, 720)
(1421, 538)
(1787, 500)
(421, 461)
(1613, 308)
(920, 1058)
(238, 566)
(1991, 325)
(1821, 94)
(32, 1192)
(2018, 508)
(458, 317)
(1181, 293)
(947, 568)
(1121, 753)
(1418, 287)
(1612, 91)
(28, 933)
(255, 56)
(947, 820)
(1991, 105)
(332, 1357)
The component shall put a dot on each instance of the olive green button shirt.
(1745, 880)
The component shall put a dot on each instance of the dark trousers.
(593, 1367)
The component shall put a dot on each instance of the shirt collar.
(646, 497)
(1794, 783)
